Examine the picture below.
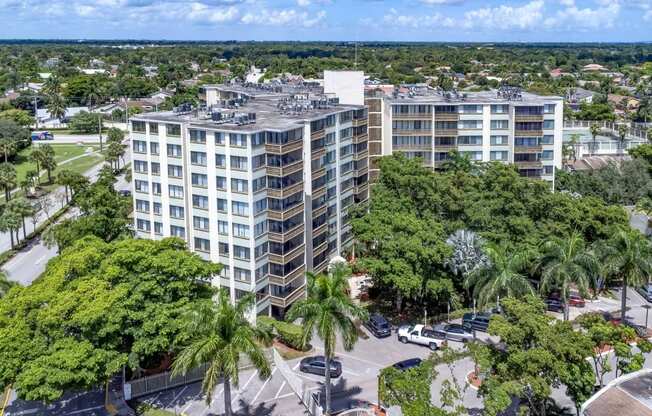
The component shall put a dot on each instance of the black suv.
(478, 322)
(378, 326)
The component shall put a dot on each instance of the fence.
(635, 130)
(159, 382)
(309, 398)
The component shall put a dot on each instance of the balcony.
(446, 116)
(362, 171)
(360, 138)
(284, 302)
(283, 237)
(361, 188)
(528, 117)
(445, 132)
(318, 173)
(320, 134)
(361, 155)
(282, 281)
(422, 132)
(316, 154)
(359, 122)
(284, 215)
(282, 259)
(280, 149)
(414, 116)
(285, 192)
(295, 166)
(528, 164)
(316, 193)
(528, 133)
(319, 211)
(528, 149)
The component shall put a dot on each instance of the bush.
(287, 333)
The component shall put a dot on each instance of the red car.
(576, 300)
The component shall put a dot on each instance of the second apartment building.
(506, 125)
(259, 179)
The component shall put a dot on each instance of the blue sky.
(393, 20)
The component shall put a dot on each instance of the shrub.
(287, 333)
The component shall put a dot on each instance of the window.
(156, 188)
(547, 155)
(261, 250)
(548, 139)
(346, 150)
(242, 253)
(260, 229)
(221, 205)
(526, 141)
(238, 162)
(258, 161)
(239, 185)
(176, 212)
(200, 201)
(241, 275)
(240, 208)
(223, 227)
(198, 158)
(174, 150)
(547, 170)
(257, 139)
(473, 155)
(139, 146)
(240, 230)
(173, 130)
(197, 136)
(499, 108)
(223, 249)
(259, 183)
(469, 140)
(499, 155)
(175, 191)
(549, 108)
(260, 206)
(153, 148)
(175, 171)
(156, 168)
(470, 108)
(141, 186)
(346, 133)
(469, 124)
(219, 138)
(200, 223)
(140, 166)
(239, 140)
(157, 208)
(220, 161)
(200, 180)
(177, 231)
(499, 140)
(158, 228)
(143, 225)
(153, 128)
(220, 183)
(202, 244)
(142, 206)
(548, 124)
(138, 126)
(499, 124)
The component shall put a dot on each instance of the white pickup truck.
(419, 334)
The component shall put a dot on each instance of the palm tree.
(7, 146)
(502, 277)
(564, 261)
(56, 106)
(23, 208)
(48, 162)
(37, 156)
(222, 334)
(10, 223)
(329, 311)
(7, 178)
(622, 135)
(595, 130)
(52, 86)
(630, 259)
(458, 162)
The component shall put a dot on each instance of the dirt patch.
(473, 379)
(289, 353)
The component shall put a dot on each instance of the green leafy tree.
(56, 106)
(595, 130)
(72, 182)
(565, 261)
(329, 311)
(7, 179)
(5, 284)
(20, 117)
(98, 307)
(504, 276)
(221, 334)
(13, 137)
(48, 161)
(114, 134)
(85, 122)
(410, 389)
(114, 153)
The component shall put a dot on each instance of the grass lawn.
(62, 152)
(144, 409)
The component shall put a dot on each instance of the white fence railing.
(635, 130)
(306, 396)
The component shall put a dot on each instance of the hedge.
(287, 333)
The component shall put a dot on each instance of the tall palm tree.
(565, 261)
(329, 310)
(37, 156)
(56, 106)
(21, 207)
(48, 162)
(7, 179)
(622, 135)
(595, 130)
(630, 259)
(504, 276)
(222, 334)
(10, 223)
(7, 147)
(52, 85)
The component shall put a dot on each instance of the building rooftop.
(258, 107)
(630, 394)
(421, 93)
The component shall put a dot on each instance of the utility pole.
(99, 128)
(36, 110)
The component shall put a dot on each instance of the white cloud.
(393, 18)
(586, 18)
(505, 17)
(438, 2)
(303, 3)
(283, 17)
(200, 12)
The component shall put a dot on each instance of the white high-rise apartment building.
(504, 125)
(259, 179)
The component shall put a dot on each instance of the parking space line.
(177, 396)
(86, 410)
(296, 366)
(353, 358)
(263, 386)
(279, 390)
(241, 389)
(351, 373)
(208, 406)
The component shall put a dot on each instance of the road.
(75, 138)
(30, 262)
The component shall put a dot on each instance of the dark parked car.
(646, 291)
(575, 299)
(317, 365)
(454, 332)
(407, 364)
(125, 192)
(479, 321)
(378, 326)
(554, 305)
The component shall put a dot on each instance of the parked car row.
(646, 292)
